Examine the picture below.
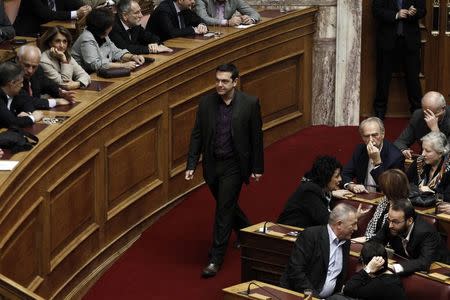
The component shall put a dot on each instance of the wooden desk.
(237, 292)
(8, 49)
(70, 25)
(264, 257)
(85, 193)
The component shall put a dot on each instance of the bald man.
(433, 116)
(46, 94)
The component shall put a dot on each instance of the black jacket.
(382, 287)
(40, 85)
(247, 136)
(33, 13)
(385, 11)
(307, 207)
(19, 104)
(308, 264)
(164, 21)
(140, 38)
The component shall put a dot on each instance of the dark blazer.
(164, 21)
(423, 246)
(308, 264)
(19, 104)
(385, 11)
(356, 168)
(307, 207)
(138, 44)
(417, 128)
(6, 29)
(247, 137)
(40, 85)
(33, 13)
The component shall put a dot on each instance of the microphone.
(254, 283)
(265, 227)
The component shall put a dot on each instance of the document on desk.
(243, 26)
(8, 165)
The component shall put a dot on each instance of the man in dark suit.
(36, 84)
(433, 116)
(370, 159)
(398, 38)
(33, 13)
(410, 237)
(6, 29)
(175, 18)
(318, 263)
(228, 134)
(127, 32)
(15, 110)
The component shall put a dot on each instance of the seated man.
(174, 18)
(15, 110)
(370, 159)
(318, 262)
(434, 116)
(127, 32)
(33, 13)
(6, 30)
(410, 237)
(220, 12)
(36, 85)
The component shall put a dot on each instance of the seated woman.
(431, 171)
(394, 185)
(375, 281)
(56, 61)
(93, 49)
(310, 203)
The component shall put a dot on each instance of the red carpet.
(165, 263)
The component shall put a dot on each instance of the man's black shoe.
(210, 270)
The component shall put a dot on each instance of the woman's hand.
(71, 85)
(444, 208)
(59, 55)
(342, 194)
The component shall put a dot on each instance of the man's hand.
(189, 174)
(431, 120)
(374, 153)
(83, 11)
(201, 29)
(37, 115)
(412, 11)
(61, 101)
(153, 48)
(246, 20)
(234, 21)
(425, 189)
(257, 177)
(407, 153)
(162, 48)
(357, 188)
(375, 264)
(68, 95)
(361, 212)
(444, 208)
(342, 194)
(403, 13)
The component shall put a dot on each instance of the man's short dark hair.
(9, 71)
(371, 249)
(406, 207)
(323, 169)
(99, 20)
(230, 68)
(123, 6)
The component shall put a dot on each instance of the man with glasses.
(369, 160)
(410, 237)
(434, 116)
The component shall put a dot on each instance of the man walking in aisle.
(228, 134)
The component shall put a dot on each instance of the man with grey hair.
(369, 160)
(44, 92)
(127, 32)
(434, 116)
(318, 262)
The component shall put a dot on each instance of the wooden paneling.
(95, 182)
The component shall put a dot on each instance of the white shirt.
(334, 264)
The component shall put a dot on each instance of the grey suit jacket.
(206, 9)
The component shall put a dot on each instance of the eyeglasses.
(395, 222)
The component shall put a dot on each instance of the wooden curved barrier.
(96, 181)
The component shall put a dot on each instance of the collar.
(177, 8)
(333, 238)
(124, 25)
(408, 236)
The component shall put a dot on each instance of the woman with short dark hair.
(93, 49)
(57, 62)
(310, 203)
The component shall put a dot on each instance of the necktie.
(129, 33)
(30, 91)
(52, 5)
(181, 20)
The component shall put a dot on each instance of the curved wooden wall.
(88, 190)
